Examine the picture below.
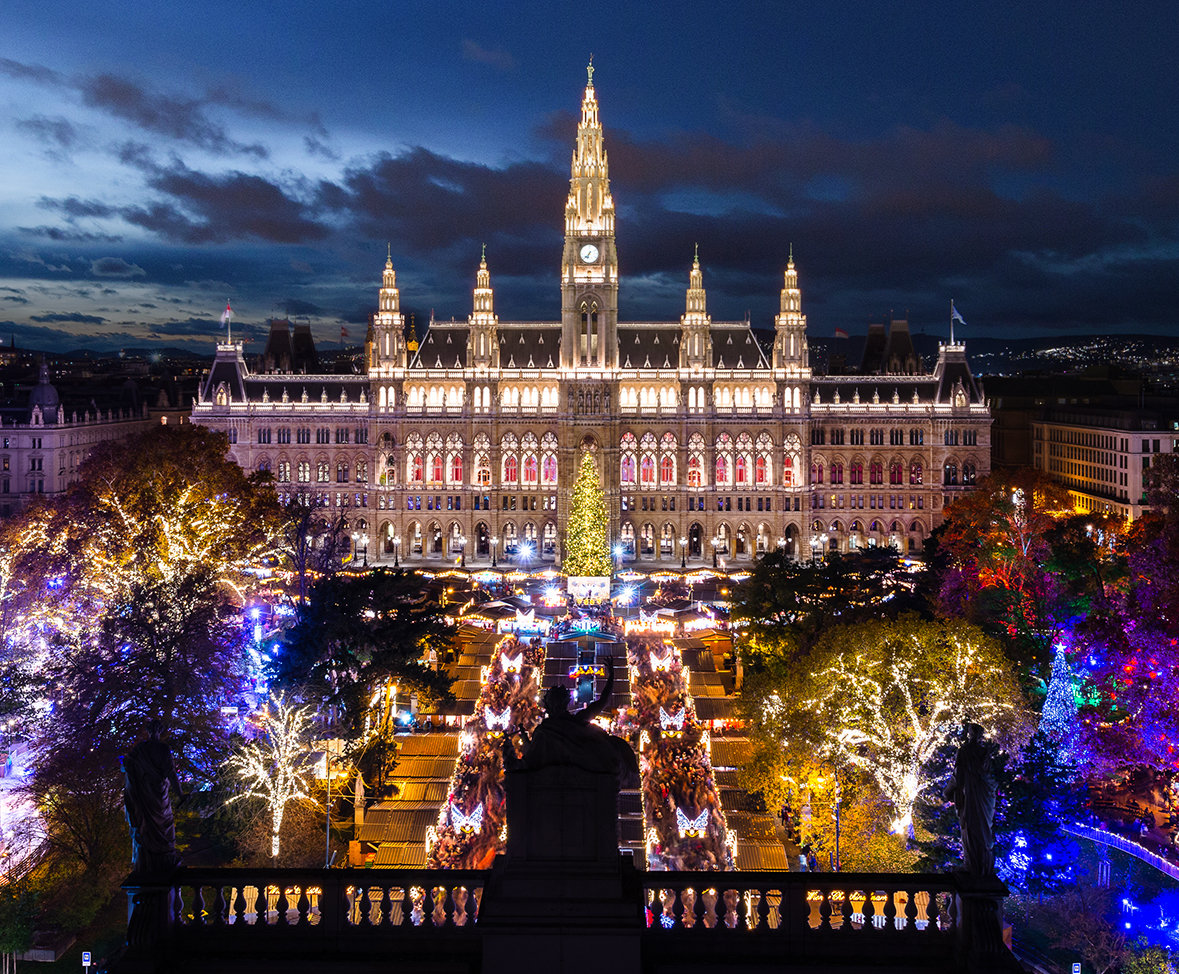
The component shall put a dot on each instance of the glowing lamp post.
(396, 550)
(462, 543)
(618, 549)
(683, 552)
(717, 543)
(494, 545)
(364, 541)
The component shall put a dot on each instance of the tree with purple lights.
(127, 590)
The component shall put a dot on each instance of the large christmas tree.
(586, 542)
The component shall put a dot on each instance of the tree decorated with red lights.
(1021, 563)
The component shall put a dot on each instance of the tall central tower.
(589, 265)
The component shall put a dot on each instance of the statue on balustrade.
(565, 738)
(149, 780)
(972, 789)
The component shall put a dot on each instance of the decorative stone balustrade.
(734, 919)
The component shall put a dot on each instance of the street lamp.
(396, 550)
(494, 543)
(683, 552)
(364, 541)
(618, 557)
(717, 544)
(462, 540)
(355, 545)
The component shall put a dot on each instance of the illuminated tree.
(277, 768)
(1019, 562)
(587, 543)
(784, 597)
(353, 635)
(888, 704)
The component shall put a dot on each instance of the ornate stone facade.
(710, 446)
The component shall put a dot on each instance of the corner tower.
(790, 347)
(483, 323)
(589, 265)
(387, 348)
(695, 340)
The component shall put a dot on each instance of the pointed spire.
(589, 71)
(389, 251)
(483, 258)
(696, 256)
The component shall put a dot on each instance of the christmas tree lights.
(587, 544)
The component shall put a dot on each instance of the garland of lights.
(472, 823)
(685, 826)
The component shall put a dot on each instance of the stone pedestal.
(982, 949)
(562, 898)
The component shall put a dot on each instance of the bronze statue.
(150, 777)
(972, 789)
(565, 738)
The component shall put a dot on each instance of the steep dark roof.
(530, 346)
(735, 347)
(649, 346)
(889, 388)
(951, 371)
(318, 388)
(444, 346)
(230, 368)
(304, 358)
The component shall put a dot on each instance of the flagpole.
(951, 321)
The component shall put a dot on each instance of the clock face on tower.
(589, 253)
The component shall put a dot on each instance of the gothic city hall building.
(713, 445)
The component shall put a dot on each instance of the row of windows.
(323, 435)
(871, 502)
(323, 471)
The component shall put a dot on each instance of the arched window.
(548, 462)
(968, 473)
(695, 460)
(456, 468)
(950, 474)
(744, 459)
(763, 469)
(896, 473)
(667, 448)
(817, 472)
(304, 472)
(792, 469)
(284, 471)
(416, 469)
(876, 472)
(483, 470)
(647, 459)
(855, 474)
(837, 473)
(724, 460)
(362, 471)
(342, 472)
(915, 472)
(627, 448)
(322, 474)
(647, 470)
(511, 470)
(530, 469)
(436, 468)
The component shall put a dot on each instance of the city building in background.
(712, 445)
(1102, 456)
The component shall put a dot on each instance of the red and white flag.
(226, 315)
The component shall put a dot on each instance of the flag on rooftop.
(226, 315)
(954, 316)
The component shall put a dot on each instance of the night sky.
(1022, 159)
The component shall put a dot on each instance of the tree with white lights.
(276, 768)
(586, 541)
(889, 695)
